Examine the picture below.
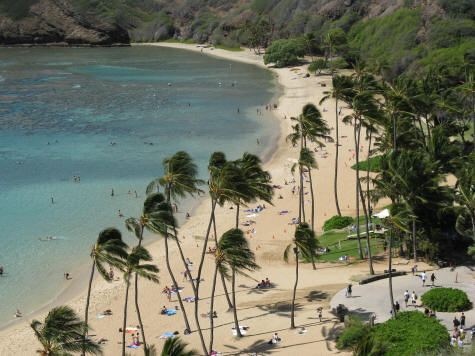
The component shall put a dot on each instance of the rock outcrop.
(56, 22)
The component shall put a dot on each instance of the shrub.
(317, 65)
(446, 300)
(337, 222)
(339, 63)
(411, 333)
(374, 164)
(284, 53)
(352, 335)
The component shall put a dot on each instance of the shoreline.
(73, 289)
(297, 91)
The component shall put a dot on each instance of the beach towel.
(100, 316)
(215, 353)
(133, 347)
(251, 216)
(171, 312)
(179, 289)
(283, 212)
(243, 332)
(300, 332)
(130, 330)
(167, 335)
(189, 299)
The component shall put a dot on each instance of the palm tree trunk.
(335, 180)
(302, 197)
(473, 222)
(211, 310)
(237, 216)
(356, 129)
(236, 321)
(187, 324)
(137, 309)
(368, 242)
(226, 293)
(313, 198)
(391, 297)
(124, 325)
(368, 162)
(414, 239)
(200, 268)
(292, 311)
(87, 302)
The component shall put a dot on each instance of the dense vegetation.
(374, 164)
(446, 300)
(412, 333)
(337, 222)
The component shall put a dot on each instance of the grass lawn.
(348, 247)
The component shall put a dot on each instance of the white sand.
(266, 311)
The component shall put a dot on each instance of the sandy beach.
(265, 311)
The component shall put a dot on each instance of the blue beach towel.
(133, 347)
(167, 335)
(171, 312)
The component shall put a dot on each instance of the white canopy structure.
(382, 214)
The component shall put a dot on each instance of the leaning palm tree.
(176, 347)
(465, 193)
(107, 248)
(133, 264)
(341, 89)
(61, 334)
(310, 126)
(156, 212)
(179, 180)
(308, 162)
(237, 257)
(217, 161)
(304, 243)
(255, 182)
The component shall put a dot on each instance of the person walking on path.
(406, 297)
(423, 277)
(462, 321)
(349, 290)
(320, 310)
(414, 298)
(456, 322)
(432, 278)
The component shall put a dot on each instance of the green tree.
(317, 65)
(176, 347)
(284, 53)
(465, 194)
(334, 39)
(107, 248)
(156, 214)
(179, 180)
(236, 256)
(304, 242)
(341, 90)
(133, 264)
(62, 333)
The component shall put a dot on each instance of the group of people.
(264, 284)
(459, 333)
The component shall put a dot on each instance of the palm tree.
(180, 179)
(465, 192)
(217, 161)
(310, 126)
(238, 257)
(176, 347)
(133, 264)
(308, 162)
(304, 243)
(255, 182)
(222, 185)
(61, 334)
(107, 248)
(156, 212)
(341, 89)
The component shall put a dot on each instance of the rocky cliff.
(56, 22)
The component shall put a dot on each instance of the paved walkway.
(374, 297)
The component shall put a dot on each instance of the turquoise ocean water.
(60, 109)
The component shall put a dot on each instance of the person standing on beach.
(414, 298)
(320, 310)
(349, 290)
(406, 297)
(462, 321)
(112, 192)
(432, 278)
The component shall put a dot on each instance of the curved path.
(374, 297)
